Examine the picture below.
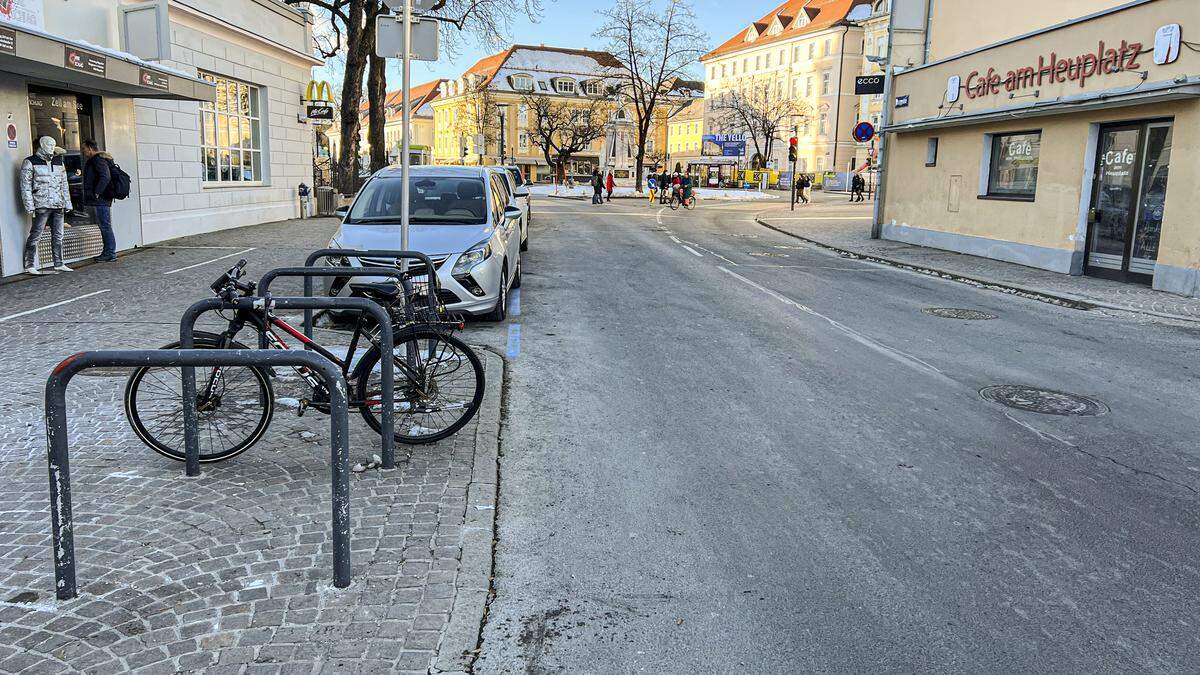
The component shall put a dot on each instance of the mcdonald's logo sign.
(318, 91)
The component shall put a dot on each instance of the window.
(823, 126)
(712, 72)
(768, 59)
(565, 86)
(758, 62)
(522, 83)
(444, 199)
(825, 83)
(795, 53)
(592, 88)
(746, 65)
(812, 51)
(231, 133)
(1013, 164)
(523, 140)
(808, 86)
(931, 151)
(522, 114)
(723, 69)
(828, 47)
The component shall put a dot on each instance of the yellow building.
(813, 50)
(1070, 148)
(685, 133)
(420, 143)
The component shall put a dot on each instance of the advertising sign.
(868, 84)
(320, 112)
(154, 80)
(723, 145)
(24, 12)
(8, 40)
(84, 62)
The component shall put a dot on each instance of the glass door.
(1125, 220)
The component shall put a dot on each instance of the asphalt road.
(727, 451)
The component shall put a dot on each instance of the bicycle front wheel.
(438, 388)
(233, 407)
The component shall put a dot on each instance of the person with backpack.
(802, 187)
(100, 186)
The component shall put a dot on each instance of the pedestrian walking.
(608, 186)
(597, 187)
(46, 196)
(802, 187)
(857, 186)
(652, 186)
(97, 194)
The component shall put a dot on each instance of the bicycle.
(438, 389)
(678, 199)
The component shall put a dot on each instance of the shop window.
(1013, 165)
(231, 133)
(931, 151)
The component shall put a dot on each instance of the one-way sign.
(868, 84)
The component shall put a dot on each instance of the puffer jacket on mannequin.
(44, 182)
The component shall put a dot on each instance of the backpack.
(118, 183)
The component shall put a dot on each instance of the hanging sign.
(868, 84)
(319, 112)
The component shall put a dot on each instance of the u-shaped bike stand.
(431, 296)
(61, 523)
(387, 346)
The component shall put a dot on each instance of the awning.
(84, 67)
(1142, 94)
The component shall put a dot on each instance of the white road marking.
(891, 353)
(658, 216)
(675, 239)
(693, 251)
(712, 253)
(206, 262)
(1044, 435)
(52, 305)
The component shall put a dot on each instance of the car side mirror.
(512, 213)
(522, 192)
(341, 212)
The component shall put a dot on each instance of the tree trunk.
(356, 63)
(638, 164)
(376, 115)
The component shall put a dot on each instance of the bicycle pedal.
(303, 407)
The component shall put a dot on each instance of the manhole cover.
(1044, 401)
(956, 313)
(769, 254)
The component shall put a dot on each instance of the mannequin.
(46, 195)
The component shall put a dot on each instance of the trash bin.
(326, 201)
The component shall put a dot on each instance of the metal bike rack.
(56, 438)
(187, 326)
(431, 296)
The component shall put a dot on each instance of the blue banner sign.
(723, 145)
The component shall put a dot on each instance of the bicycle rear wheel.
(434, 397)
(230, 418)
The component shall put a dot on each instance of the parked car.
(519, 196)
(523, 193)
(461, 217)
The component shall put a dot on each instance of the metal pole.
(888, 105)
(406, 84)
(61, 521)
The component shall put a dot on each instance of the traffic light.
(792, 143)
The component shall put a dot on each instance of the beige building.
(1071, 148)
(870, 106)
(812, 50)
(421, 142)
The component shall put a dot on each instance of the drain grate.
(957, 313)
(1044, 401)
(770, 254)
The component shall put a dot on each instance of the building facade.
(811, 51)
(1069, 148)
(202, 113)
(421, 125)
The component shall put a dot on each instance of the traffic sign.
(864, 131)
(389, 38)
(417, 5)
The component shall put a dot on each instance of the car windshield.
(452, 200)
(516, 176)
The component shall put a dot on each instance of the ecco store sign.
(1107, 59)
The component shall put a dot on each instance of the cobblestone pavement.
(836, 224)
(230, 572)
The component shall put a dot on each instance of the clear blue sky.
(570, 23)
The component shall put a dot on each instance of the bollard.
(431, 271)
(387, 367)
(61, 522)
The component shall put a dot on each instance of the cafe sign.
(1053, 68)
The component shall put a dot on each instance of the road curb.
(1059, 299)
(473, 584)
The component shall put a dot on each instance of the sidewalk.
(846, 228)
(230, 572)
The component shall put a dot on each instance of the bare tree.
(759, 108)
(656, 49)
(352, 32)
(563, 127)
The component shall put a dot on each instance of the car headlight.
(474, 255)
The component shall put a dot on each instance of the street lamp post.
(503, 126)
(888, 105)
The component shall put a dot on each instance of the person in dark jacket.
(857, 186)
(97, 174)
(597, 187)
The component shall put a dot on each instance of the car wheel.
(500, 311)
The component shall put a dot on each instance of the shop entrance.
(1125, 220)
(69, 119)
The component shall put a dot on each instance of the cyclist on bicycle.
(685, 184)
